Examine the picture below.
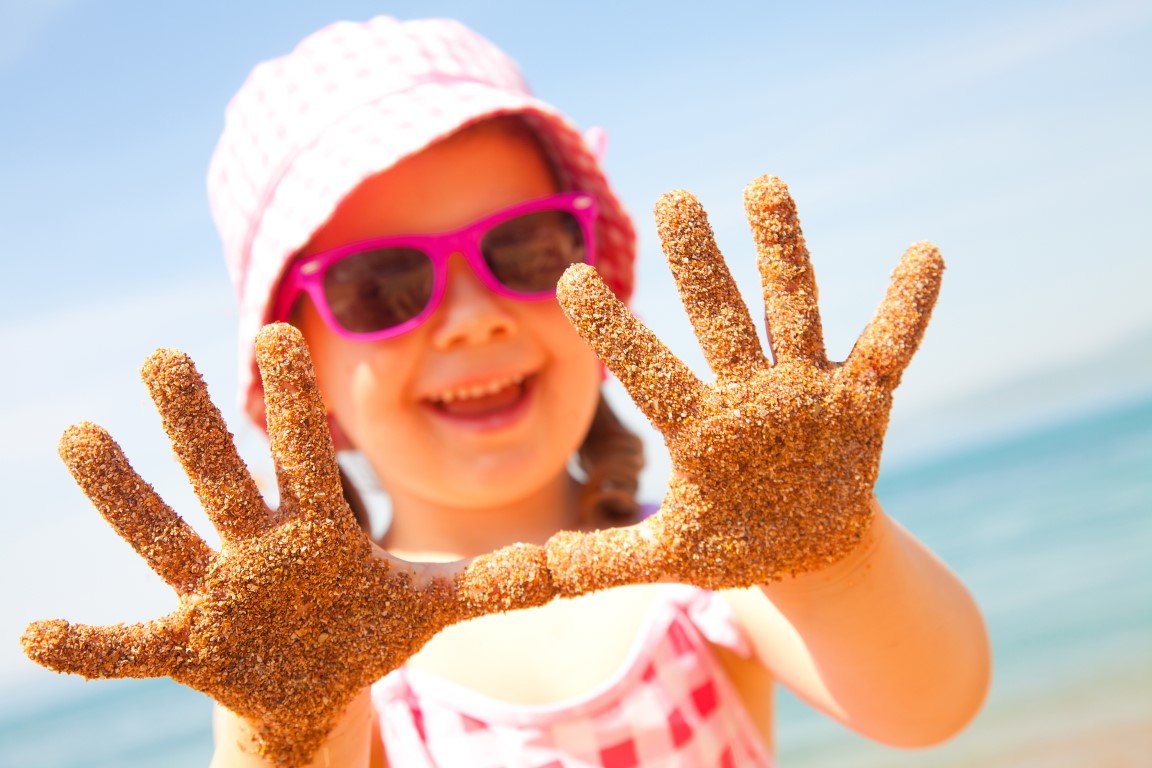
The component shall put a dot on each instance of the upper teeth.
(479, 390)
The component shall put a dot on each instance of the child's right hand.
(299, 611)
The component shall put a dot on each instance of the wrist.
(347, 743)
(842, 574)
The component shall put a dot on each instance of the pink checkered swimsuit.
(670, 705)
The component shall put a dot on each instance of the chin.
(506, 482)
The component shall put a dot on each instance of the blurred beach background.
(1016, 135)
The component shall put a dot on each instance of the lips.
(481, 400)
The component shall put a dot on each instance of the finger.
(204, 446)
(510, 578)
(588, 561)
(886, 346)
(297, 426)
(709, 293)
(663, 388)
(131, 506)
(790, 300)
(135, 650)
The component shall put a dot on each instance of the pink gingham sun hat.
(350, 101)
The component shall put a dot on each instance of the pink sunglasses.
(379, 288)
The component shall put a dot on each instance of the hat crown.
(287, 102)
(347, 63)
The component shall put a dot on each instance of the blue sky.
(1013, 134)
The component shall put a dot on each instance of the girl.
(394, 191)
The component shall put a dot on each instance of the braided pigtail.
(611, 458)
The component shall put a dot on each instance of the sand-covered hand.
(299, 610)
(774, 462)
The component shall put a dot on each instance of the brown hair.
(610, 457)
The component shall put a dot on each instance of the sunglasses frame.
(306, 275)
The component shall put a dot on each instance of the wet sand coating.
(299, 610)
(773, 464)
(773, 472)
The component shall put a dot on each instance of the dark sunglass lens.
(528, 254)
(378, 289)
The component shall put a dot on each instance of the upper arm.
(779, 648)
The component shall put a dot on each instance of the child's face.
(485, 402)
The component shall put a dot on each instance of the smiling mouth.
(481, 400)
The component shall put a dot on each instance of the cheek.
(374, 417)
(334, 375)
(360, 384)
(376, 388)
(585, 370)
(567, 344)
(581, 373)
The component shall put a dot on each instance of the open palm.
(774, 462)
(298, 611)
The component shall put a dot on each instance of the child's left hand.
(774, 463)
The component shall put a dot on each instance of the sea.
(1051, 528)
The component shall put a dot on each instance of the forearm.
(349, 743)
(888, 640)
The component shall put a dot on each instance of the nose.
(469, 313)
